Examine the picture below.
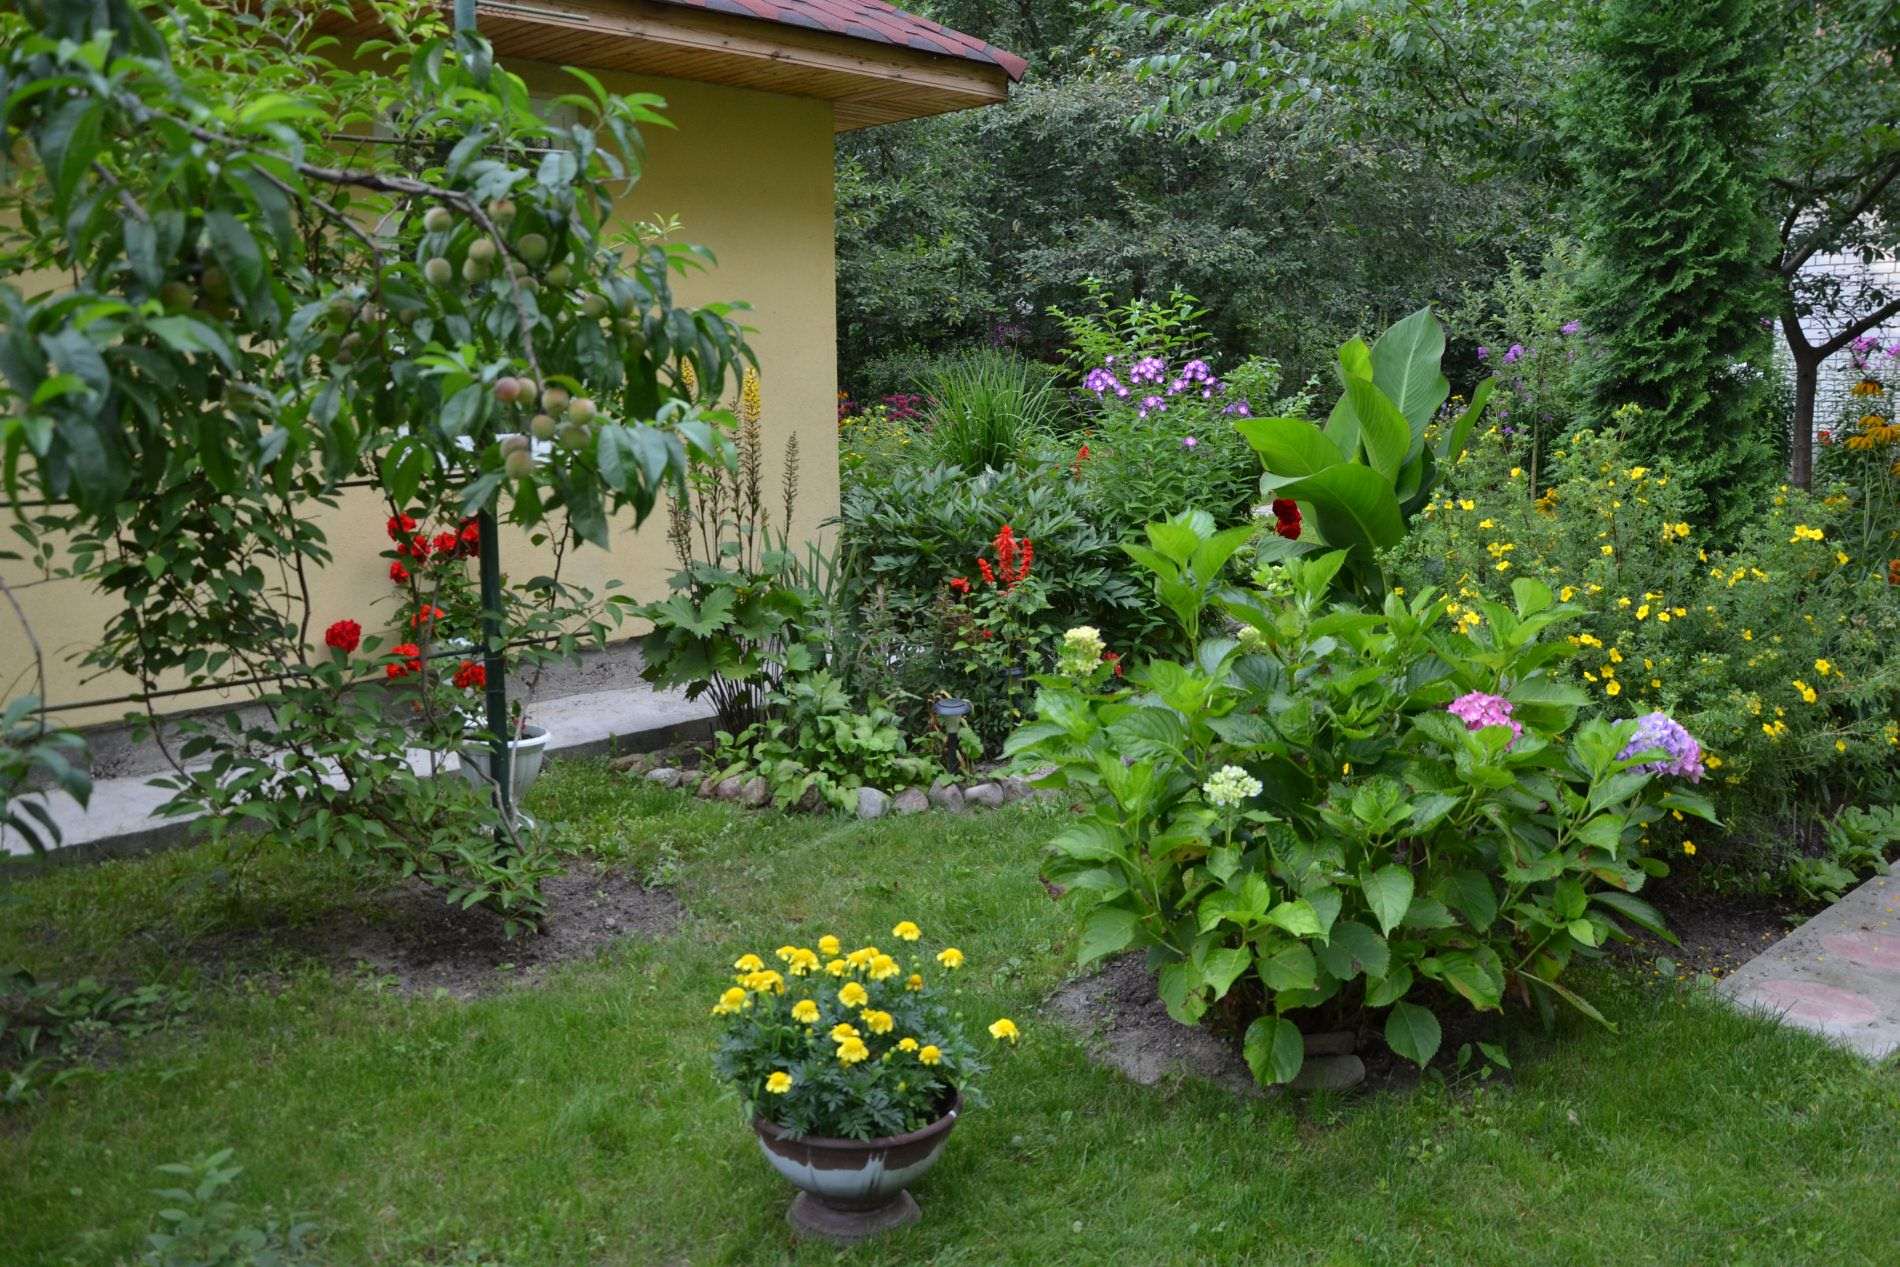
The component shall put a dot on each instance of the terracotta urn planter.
(853, 1188)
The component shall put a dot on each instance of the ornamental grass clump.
(849, 1045)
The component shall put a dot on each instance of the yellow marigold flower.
(747, 963)
(1004, 1030)
(761, 982)
(907, 1044)
(733, 1000)
(950, 957)
(778, 1082)
(805, 1011)
(802, 962)
(929, 1054)
(1823, 667)
(843, 1030)
(1807, 693)
(853, 994)
(883, 968)
(875, 1021)
(829, 945)
(852, 1050)
(906, 931)
(837, 967)
(914, 982)
(1688, 847)
(784, 953)
(861, 956)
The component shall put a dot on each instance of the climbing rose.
(406, 658)
(1478, 710)
(1659, 732)
(344, 635)
(398, 574)
(399, 526)
(469, 675)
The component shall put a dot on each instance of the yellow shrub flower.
(1004, 1030)
(852, 1050)
(747, 963)
(1688, 847)
(778, 1082)
(950, 957)
(1612, 688)
(1567, 593)
(1608, 551)
(733, 1000)
(906, 931)
(1807, 693)
(853, 995)
(1804, 533)
(829, 945)
(929, 1054)
(805, 1011)
(1823, 667)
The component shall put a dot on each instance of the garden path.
(1837, 975)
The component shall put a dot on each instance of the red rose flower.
(399, 526)
(418, 548)
(426, 614)
(469, 675)
(398, 574)
(445, 542)
(344, 635)
(406, 659)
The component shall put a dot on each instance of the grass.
(576, 1122)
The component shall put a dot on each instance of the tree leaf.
(1412, 1032)
(1388, 892)
(1108, 930)
(1274, 1050)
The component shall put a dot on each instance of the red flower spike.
(989, 574)
(961, 584)
(344, 635)
(1113, 659)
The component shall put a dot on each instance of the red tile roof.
(866, 20)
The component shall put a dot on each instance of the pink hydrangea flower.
(1478, 710)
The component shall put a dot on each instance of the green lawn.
(577, 1121)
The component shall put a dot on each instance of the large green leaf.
(1352, 949)
(1405, 366)
(1274, 1050)
(1353, 504)
(1290, 446)
(1382, 428)
(1412, 1032)
(1108, 930)
(1389, 893)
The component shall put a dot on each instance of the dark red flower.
(398, 574)
(469, 675)
(425, 614)
(344, 635)
(961, 584)
(406, 658)
(1893, 571)
(1081, 456)
(1113, 659)
(445, 542)
(1286, 514)
(986, 634)
(400, 526)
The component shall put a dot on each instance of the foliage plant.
(1352, 809)
(284, 275)
(849, 1045)
(49, 1028)
(1673, 213)
(30, 750)
(1778, 645)
(988, 409)
(200, 1226)
(1360, 478)
(818, 746)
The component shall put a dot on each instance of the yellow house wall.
(748, 174)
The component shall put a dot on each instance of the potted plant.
(854, 1073)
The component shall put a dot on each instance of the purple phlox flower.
(1866, 343)
(1484, 353)
(1101, 381)
(1153, 404)
(1513, 354)
(1478, 710)
(1509, 431)
(1570, 327)
(1190, 443)
(1239, 409)
(1149, 369)
(1659, 732)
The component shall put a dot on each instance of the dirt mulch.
(1117, 1012)
(1718, 934)
(427, 946)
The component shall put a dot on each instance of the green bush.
(1350, 810)
(819, 746)
(1777, 646)
(987, 410)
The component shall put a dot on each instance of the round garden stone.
(911, 801)
(947, 796)
(1330, 1073)
(755, 792)
(730, 789)
(988, 795)
(872, 803)
(665, 776)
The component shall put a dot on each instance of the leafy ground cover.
(576, 1119)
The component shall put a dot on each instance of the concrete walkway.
(1837, 975)
(122, 816)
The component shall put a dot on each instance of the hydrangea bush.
(849, 1045)
(1338, 810)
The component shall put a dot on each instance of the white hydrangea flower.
(1230, 785)
(1082, 649)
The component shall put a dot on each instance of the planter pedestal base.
(811, 1217)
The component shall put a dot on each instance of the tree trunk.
(1807, 377)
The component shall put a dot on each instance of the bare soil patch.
(428, 946)
(1117, 1012)
(1718, 934)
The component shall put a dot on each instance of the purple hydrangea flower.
(1478, 710)
(1659, 732)
(1513, 354)
(1484, 353)
(1570, 327)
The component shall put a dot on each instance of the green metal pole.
(495, 669)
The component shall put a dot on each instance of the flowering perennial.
(1230, 785)
(1658, 732)
(1478, 710)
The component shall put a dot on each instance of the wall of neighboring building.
(1832, 403)
(748, 174)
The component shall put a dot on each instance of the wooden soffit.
(867, 83)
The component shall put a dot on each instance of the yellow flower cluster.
(1804, 533)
